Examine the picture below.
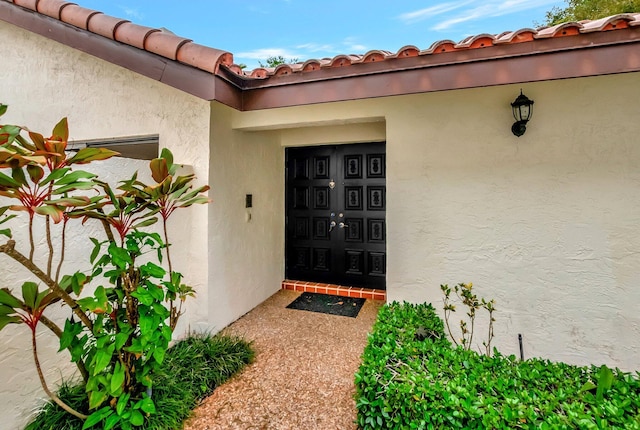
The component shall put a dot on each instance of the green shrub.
(191, 370)
(412, 378)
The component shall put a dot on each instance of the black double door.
(335, 225)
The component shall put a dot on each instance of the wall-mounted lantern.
(522, 110)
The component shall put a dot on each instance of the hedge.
(412, 378)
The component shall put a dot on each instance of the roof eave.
(173, 73)
(586, 55)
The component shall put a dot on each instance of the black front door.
(336, 201)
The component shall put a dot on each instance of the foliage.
(578, 10)
(117, 332)
(275, 61)
(411, 381)
(469, 299)
(191, 370)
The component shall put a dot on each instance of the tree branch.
(9, 249)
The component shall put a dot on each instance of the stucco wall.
(246, 255)
(547, 224)
(42, 81)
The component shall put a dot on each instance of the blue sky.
(255, 29)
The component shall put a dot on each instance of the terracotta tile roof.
(614, 22)
(568, 50)
(157, 41)
(168, 45)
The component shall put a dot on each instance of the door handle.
(332, 225)
(343, 225)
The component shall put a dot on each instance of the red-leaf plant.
(44, 183)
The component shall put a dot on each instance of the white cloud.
(429, 12)
(491, 9)
(263, 54)
(352, 45)
(132, 13)
(315, 47)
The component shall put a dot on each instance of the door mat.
(327, 304)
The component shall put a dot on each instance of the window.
(137, 147)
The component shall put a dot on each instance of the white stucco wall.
(246, 256)
(547, 224)
(42, 81)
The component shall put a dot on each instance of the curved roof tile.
(156, 41)
(564, 29)
(166, 44)
(605, 24)
(77, 16)
(104, 25)
(519, 36)
(479, 41)
(51, 8)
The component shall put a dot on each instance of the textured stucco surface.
(246, 256)
(42, 81)
(546, 224)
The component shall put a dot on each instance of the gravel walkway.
(302, 377)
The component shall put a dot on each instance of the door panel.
(336, 202)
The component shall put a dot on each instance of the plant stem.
(53, 397)
(174, 315)
(62, 248)
(58, 332)
(47, 224)
(9, 249)
(31, 243)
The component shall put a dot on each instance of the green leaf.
(54, 212)
(147, 405)
(5, 320)
(86, 155)
(18, 174)
(7, 181)
(159, 169)
(588, 386)
(74, 186)
(30, 294)
(55, 175)
(69, 334)
(121, 339)
(74, 176)
(111, 421)
(61, 131)
(35, 173)
(158, 355)
(6, 232)
(103, 358)
(147, 324)
(168, 155)
(3, 109)
(605, 380)
(119, 256)
(152, 270)
(117, 379)
(96, 398)
(137, 419)
(147, 222)
(96, 249)
(123, 400)
(6, 298)
(76, 201)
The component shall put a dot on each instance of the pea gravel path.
(302, 377)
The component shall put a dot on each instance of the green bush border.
(412, 378)
(192, 369)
